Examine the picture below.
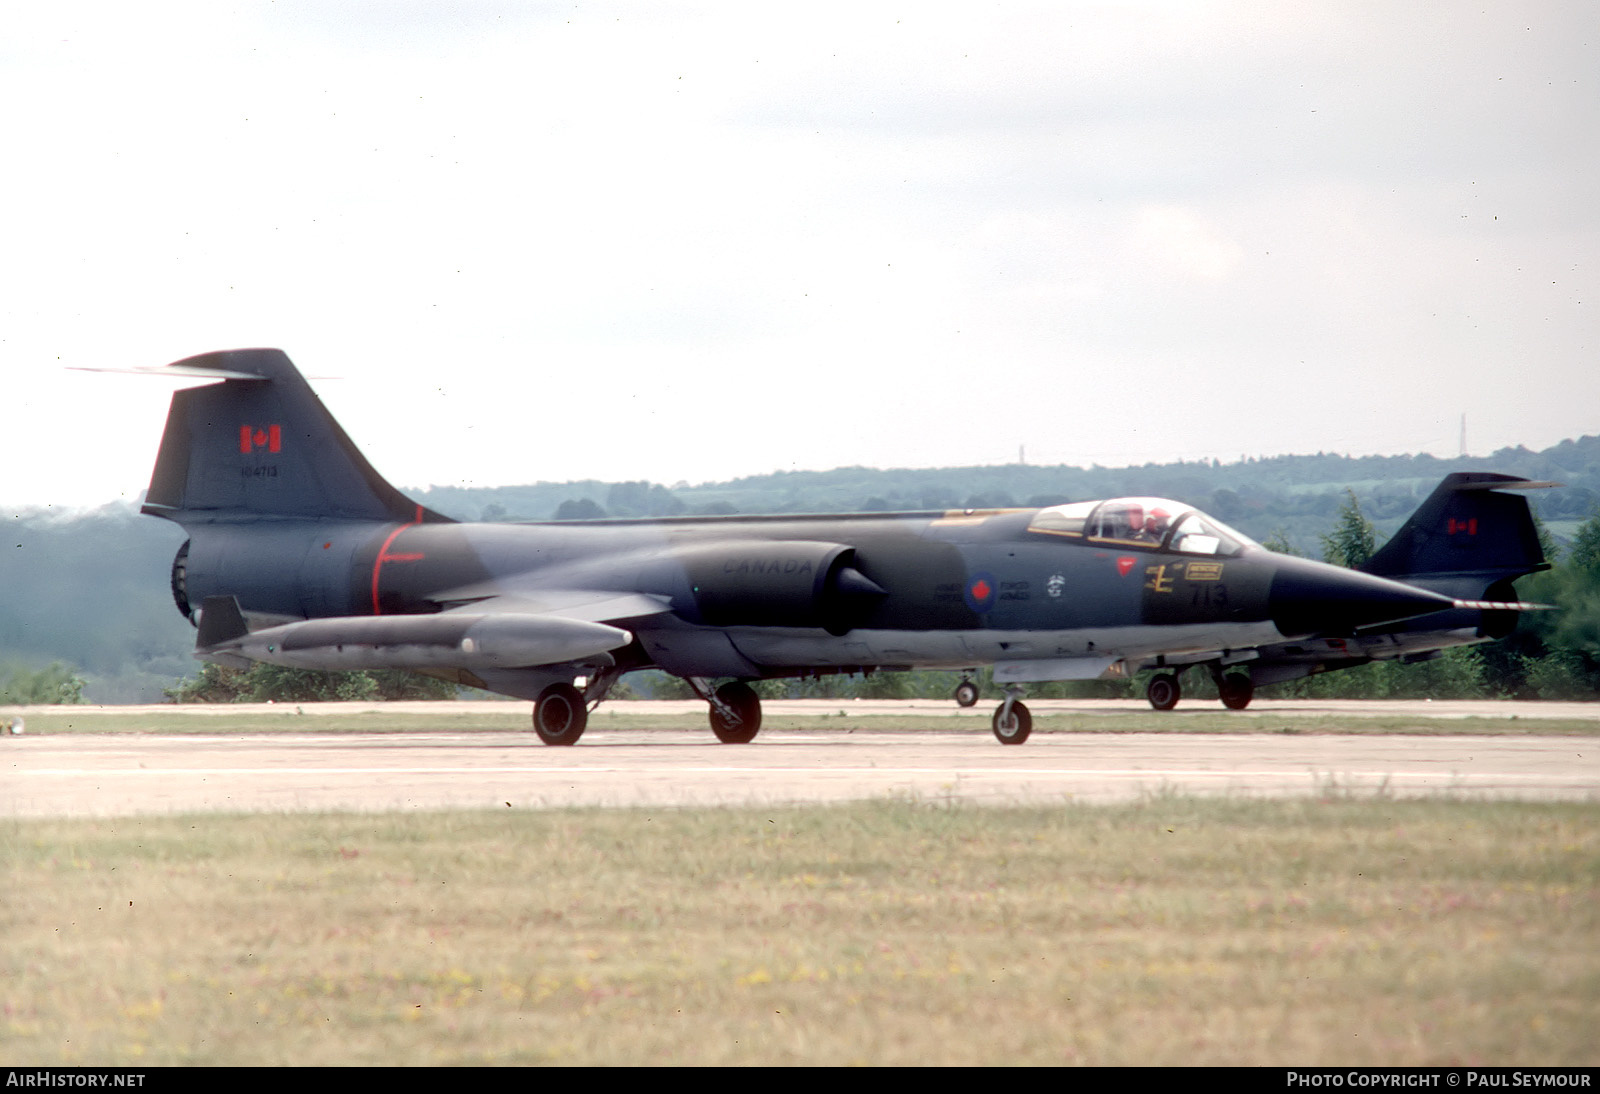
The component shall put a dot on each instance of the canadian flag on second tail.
(253, 437)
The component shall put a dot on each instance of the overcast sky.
(515, 242)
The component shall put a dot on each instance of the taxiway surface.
(102, 775)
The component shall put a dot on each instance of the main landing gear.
(735, 713)
(1163, 691)
(560, 715)
(1235, 689)
(561, 712)
(735, 710)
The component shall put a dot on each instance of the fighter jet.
(300, 554)
(1468, 539)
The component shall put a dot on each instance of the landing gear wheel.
(1012, 728)
(746, 704)
(1163, 691)
(1236, 691)
(966, 694)
(559, 715)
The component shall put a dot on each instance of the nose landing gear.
(1012, 723)
(966, 694)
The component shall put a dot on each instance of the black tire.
(559, 715)
(1014, 729)
(747, 705)
(1236, 691)
(1163, 691)
(966, 694)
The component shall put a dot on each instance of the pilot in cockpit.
(1155, 525)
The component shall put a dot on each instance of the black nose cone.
(1315, 598)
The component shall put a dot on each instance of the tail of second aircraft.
(260, 444)
(1468, 532)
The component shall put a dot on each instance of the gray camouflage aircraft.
(1467, 539)
(300, 554)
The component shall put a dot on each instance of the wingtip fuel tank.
(454, 640)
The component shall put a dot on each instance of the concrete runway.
(101, 775)
(929, 708)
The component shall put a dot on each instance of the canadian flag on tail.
(254, 437)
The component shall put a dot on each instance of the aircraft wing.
(590, 605)
(1058, 668)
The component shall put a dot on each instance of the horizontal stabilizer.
(1505, 483)
(179, 371)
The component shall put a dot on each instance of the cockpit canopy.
(1154, 524)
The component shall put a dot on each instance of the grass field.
(1173, 931)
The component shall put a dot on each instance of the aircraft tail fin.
(1468, 527)
(261, 444)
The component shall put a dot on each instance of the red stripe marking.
(385, 556)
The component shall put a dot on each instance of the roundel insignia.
(980, 591)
